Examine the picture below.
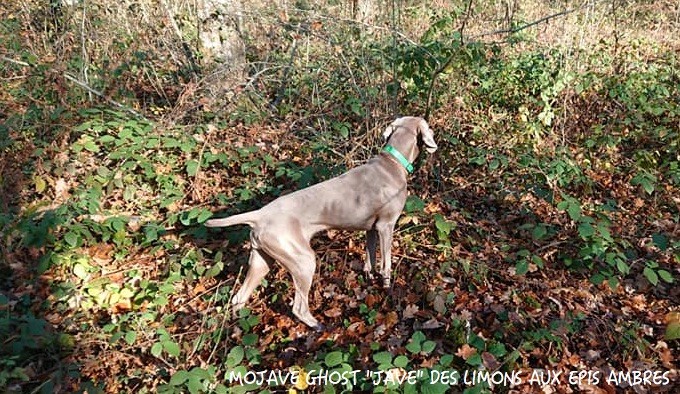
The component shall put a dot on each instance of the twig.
(102, 95)
(284, 81)
(185, 47)
(19, 62)
(528, 25)
(447, 63)
(83, 48)
(227, 314)
(441, 69)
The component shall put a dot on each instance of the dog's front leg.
(371, 246)
(385, 232)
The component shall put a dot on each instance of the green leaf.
(105, 139)
(442, 224)
(195, 385)
(235, 356)
(80, 271)
(343, 129)
(645, 180)
(125, 133)
(574, 211)
(414, 347)
(171, 347)
(537, 260)
(428, 346)
(71, 238)
(414, 204)
(151, 143)
(418, 337)
(498, 349)
(539, 232)
(661, 241)
(203, 216)
(474, 360)
(250, 339)
(400, 361)
(585, 230)
(157, 349)
(383, 358)
(622, 266)
(40, 184)
(36, 326)
(613, 282)
(179, 378)
(597, 279)
(446, 360)
(91, 146)
(651, 276)
(214, 270)
(192, 167)
(522, 267)
(130, 337)
(672, 331)
(494, 164)
(562, 205)
(333, 358)
(185, 219)
(665, 276)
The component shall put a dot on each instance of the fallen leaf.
(410, 311)
(431, 324)
(391, 319)
(333, 312)
(466, 351)
(490, 361)
(672, 326)
(124, 305)
(199, 288)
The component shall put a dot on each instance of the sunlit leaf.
(171, 347)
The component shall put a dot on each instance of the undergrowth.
(542, 236)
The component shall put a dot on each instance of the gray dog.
(369, 197)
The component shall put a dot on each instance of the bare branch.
(102, 95)
(19, 62)
(528, 25)
(443, 67)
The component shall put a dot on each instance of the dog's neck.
(399, 157)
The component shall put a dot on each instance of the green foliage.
(27, 337)
(444, 228)
(550, 157)
(419, 344)
(196, 380)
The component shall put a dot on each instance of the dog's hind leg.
(293, 251)
(258, 266)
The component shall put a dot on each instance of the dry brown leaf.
(124, 305)
(490, 361)
(466, 351)
(199, 288)
(410, 311)
(333, 312)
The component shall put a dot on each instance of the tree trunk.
(223, 51)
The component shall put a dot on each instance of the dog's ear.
(389, 130)
(427, 136)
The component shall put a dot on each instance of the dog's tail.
(249, 218)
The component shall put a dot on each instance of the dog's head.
(407, 133)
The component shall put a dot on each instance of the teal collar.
(400, 158)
